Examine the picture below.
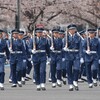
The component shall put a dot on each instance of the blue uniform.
(16, 58)
(56, 59)
(24, 59)
(83, 68)
(72, 57)
(29, 64)
(39, 59)
(3, 48)
(99, 64)
(91, 60)
(64, 70)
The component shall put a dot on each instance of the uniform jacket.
(41, 44)
(74, 43)
(94, 45)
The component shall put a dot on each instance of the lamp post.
(17, 15)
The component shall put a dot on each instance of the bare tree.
(50, 12)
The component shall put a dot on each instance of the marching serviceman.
(3, 51)
(56, 57)
(28, 40)
(16, 49)
(82, 73)
(91, 50)
(63, 65)
(40, 50)
(72, 56)
(98, 36)
(24, 62)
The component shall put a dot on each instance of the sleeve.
(48, 48)
(98, 49)
(81, 48)
(7, 50)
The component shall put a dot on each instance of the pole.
(17, 16)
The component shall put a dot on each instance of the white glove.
(65, 49)
(99, 61)
(81, 60)
(51, 48)
(49, 59)
(63, 59)
(10, 49)
(88, 52)
(29, 59)
(7, 61)
(48, 63)
(33, 51)
(24, 60)
(31, 62)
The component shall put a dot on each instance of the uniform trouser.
(10, 76)
(40, 71)
(73, 67)
(98, 70)
(2, 75)
(29, 67)
(34, 76)
(64, 69)
(24, 68)
(55, 67)
(2, 71)
(16, 68)
(91, 70)
(82, 71)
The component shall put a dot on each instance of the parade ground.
(29, 92)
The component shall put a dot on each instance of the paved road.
(28, 92)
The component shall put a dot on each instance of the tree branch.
(50, 18)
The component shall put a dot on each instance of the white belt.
(56, 51)
(18, 52)
(72, 50)
(92, 52)
(2, 53)
(38, 51)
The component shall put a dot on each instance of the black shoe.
(59, 85)
(10, 81)
(91, 86)
(20, 85)
(95, 84)
(28, 77)
(50, 80)
(71, 89)
(53, 86)
(23, 82)
(76, 88)
(43, 88)
(64, 82)
(1, 88)
(14, 85)
(38, 89)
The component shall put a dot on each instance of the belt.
(56, 51)
(39, 51)
(92, 52)
(72, 50)
(2, 53)
(18, 52)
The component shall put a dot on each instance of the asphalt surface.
(28, 91)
